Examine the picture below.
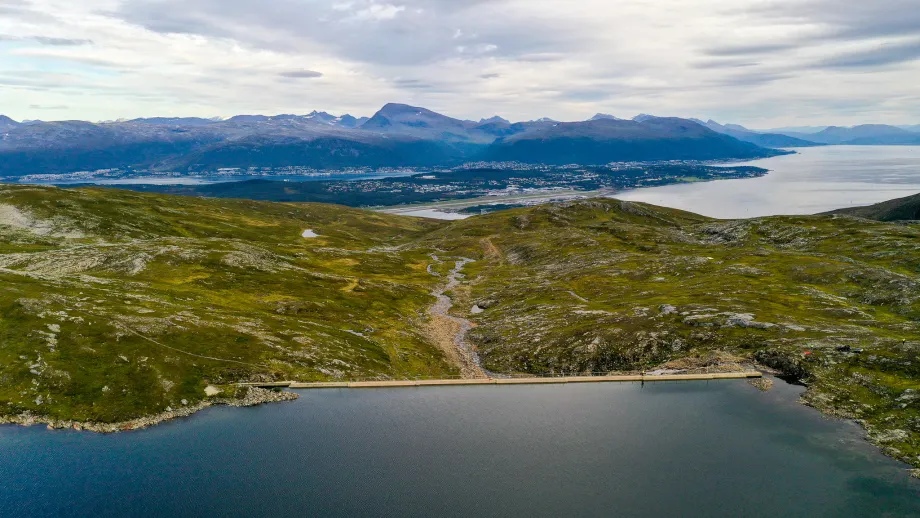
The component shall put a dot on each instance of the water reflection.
(812, 181)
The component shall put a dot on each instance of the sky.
(762, 63)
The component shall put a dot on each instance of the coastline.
(254, 396)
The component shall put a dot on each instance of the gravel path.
(449, 332)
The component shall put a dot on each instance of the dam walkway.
(509, 381)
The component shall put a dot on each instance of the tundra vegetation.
(117, 304)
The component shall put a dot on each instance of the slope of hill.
(7, 123)
(768, 140)
(604, 285)
(607, 140)
(119, 304)
(901, 209)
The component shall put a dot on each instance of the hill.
(901, 209)
(607, 140)
(118, 305)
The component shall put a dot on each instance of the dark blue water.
(676, 449)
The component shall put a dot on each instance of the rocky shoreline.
(254, 396)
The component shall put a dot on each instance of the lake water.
(690, 449)
(814, 180)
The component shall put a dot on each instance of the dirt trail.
(449, 332)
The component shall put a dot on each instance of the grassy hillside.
(120, 304)
(117, 304)
(901, 209)
(605, 285)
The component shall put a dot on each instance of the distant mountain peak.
(168, 121)
(642, 117)
(602, 116)
(544, 119)
(495, 120)
(248, 118)
(7, 123)
(320, 116)
(399, 109)
(349, 121)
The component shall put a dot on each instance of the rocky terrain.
(602, 286)
(118, 305)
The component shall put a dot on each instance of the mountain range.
(397, 135)
(863, 135)
(771, 140)
(596, 141)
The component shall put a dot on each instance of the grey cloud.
(586, 94)
(848, 19)
(541, 57)
(883, 55)
(724, 63)
(45, 40)
(412, 84)
(60, 42)
(753, 79)
(40, 107)
(750, 49)
(86, 60)
(423, 31)
(301, 74)
(20, 10)
(490, 76)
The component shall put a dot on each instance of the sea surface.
(691, 449)
(815, 180)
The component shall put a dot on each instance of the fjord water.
(670, 449)
(813, 180)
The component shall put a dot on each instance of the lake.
(814, 180)
(687, 449)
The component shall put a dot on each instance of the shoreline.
(255, 396)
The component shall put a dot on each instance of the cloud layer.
(759, 62)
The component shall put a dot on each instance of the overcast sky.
(763, 63)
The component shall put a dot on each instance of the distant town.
(380, 187)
